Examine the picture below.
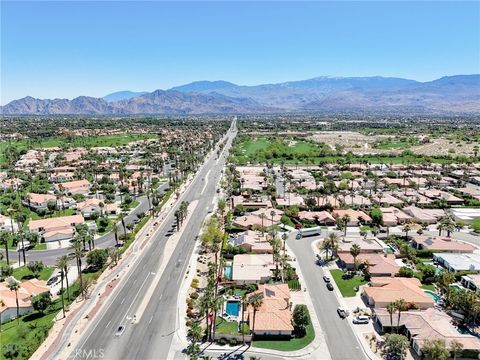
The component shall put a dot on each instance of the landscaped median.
(347, 284)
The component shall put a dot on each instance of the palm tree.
(217, 304)
(60, 265)
(263, 217)
(243, 303)
(77, 251)
(406, 229)
(63, 260)
(15, 286)
(122, 219)
(204, 304)
(333, 240)
(401, 305)
(346, 220)
(256, 301)
(195, 332)
(391, 308)
(4, 237)
(355, 251)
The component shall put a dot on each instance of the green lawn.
(430, 287)
(34, 327)
(23, 273)
(229, 327)
(347, 286)
(104, 140)
(287, 345)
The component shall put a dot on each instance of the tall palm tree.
(401, 305)
(15, 286)
(355, 251)
(391, 308)
(204, 304)
(256, 301)
(217, 304)
(243, 303)
(60, 264)
(346, 219)
(4, 237)
(333, 241)
(77, 252)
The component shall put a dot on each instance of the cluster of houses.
(416, 195)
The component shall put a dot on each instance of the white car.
(342, 312)
(361, 320)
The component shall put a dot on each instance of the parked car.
(361, 319)
(326, 278)
(342, 312)
(330, 286)
(52, 281)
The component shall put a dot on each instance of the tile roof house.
(274, 317)
(393, 216)
(429, 216)
(355, 216)
(27, 290)
(430, 324)
(252, 268)
(384, 290)
(441, 244)
(253, 241)
(380, 264)
(56, 229)
(39, 201)
(90, 206)
(323, 217)
(75, 187)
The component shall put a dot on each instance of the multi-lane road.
(151, 336)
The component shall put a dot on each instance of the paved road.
(49, 257)
(151, 336)
(341, 341)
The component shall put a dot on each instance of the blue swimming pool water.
(434, 296)
(227, 271)
(232, 308)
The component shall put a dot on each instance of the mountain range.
(458, 94)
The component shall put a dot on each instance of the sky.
(66, 49)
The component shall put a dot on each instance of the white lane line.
(135, 298)
(108, 324)
(150, 319)
(122, 301)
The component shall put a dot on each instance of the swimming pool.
(227, 272)
(232, 308)
(433, 295)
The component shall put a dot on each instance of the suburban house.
(355, 216)
(367, 245)
(380, 264)
(430, 324)
(471, 282)
(252, 268)
(95, 206)
(253, 242)
(392, 216)
(274, 317)
(56, 229)
(385, 290)
(429, 216)
(27, 290)
(441, 244)
(7, 223)
(39, 201)
(322, 217)
(81, 187)
(458, 262)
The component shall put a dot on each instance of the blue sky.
(67, 49)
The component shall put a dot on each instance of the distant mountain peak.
(205, 85)
(123, 95)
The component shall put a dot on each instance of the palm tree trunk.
(63, 301)
(18, 306)
(66, 280)
(6, 252)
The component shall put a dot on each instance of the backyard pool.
(433, 295)
(232, 308)
(227, 272)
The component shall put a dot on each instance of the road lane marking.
(108, 324)
(122, 301)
